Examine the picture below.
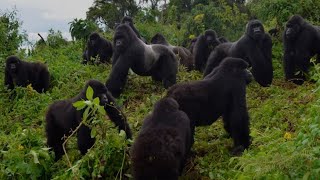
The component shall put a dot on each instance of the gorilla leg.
(85, 141)
(55, 139)
(168, 70)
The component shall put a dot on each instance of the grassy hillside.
(284, 126)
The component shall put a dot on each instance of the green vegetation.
(284, 117)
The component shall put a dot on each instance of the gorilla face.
(127, 20)
(93, 39)
(255, 29)
(293, 27)
(122, 37)
(211, 38)
(13, 64)
(100, 91)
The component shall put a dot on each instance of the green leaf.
(86, 114)
(35, 157)
(101, 110)
(89, 93)
(96, 101)
(79, 105)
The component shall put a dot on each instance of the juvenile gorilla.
(154, 60)
(184, 54)
(128, 20)
(21, 73)
(98, 46)
(254, 47)
(203, 47)
(163, 144)
(301, 42)
(62, 117)
(221, 93)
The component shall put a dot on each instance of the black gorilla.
(223, 39)
(301, 42)
(254, 47)
(98, 46)
(221, 93)
(128, 20)
(192, 43)
(203, 47)
(62, 117)
(21, 73)
(154, 60)
(163, 144)
(184, 54)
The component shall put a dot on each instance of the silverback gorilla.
(163, 144)
(220, 93)
(254, 47)
(98, 46)
(184, 54)
(154, 60)
(21, 73)
(203, 47)
(62, 117)
(301, 42)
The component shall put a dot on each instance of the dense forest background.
(284, 117)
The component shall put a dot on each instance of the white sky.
(38, 16)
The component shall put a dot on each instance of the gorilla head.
(127, 20)
(294, 26)
(255, 30)
(211, 38)
(123, 37)
(93, 38)
(100, 91)
(13, 64)
(159, 39)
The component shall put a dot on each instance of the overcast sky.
(39, 16)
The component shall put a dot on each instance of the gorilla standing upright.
(203, 47)
(254, 47)
(301, 42)
(154, 60)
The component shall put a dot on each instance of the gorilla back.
(155, 60)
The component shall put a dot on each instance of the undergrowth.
(284, 127)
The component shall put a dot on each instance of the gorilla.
(62, 117)
(255, 47)
(220, 93)
(98, 46)
(192, 43)
(223, 39)
(184, 54)
(301, 42)
(163, 144)
(154, 60)
(203, 47)
(21, 73)
(128, 20)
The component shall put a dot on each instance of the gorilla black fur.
(192, 43)
(301, 42)
(129, 21)
(154, 60)
(254, 47)
(21, 73)
(184, 54)
(220, 93)
(98, 46)
(62, 117)
(163, 144)
(203, 47)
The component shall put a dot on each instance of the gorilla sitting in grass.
(163, 144)
(220, 93)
